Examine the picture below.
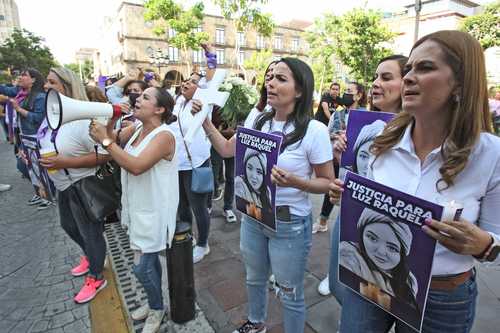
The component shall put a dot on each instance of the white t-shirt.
(314, 148)
(199, 148)
(72, 140)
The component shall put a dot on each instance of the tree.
(85, 71)
(23, 49)
(245, 14)
(485, 27)
(360, 42)
(322, 49)
(258, 62)
(167, 14)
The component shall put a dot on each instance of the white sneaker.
(153, 322)
(35, 200)
(140, 313)
(324, 287)
(5, 187)
(199, 252)
(318, 227)
(230, 217)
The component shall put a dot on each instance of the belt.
(450, 282)
(283, 213)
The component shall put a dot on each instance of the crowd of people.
(438, 145)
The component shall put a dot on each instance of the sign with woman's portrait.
(256, 154)
(383, 254)
(38, 174)
(362, 128)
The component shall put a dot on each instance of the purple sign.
(256, 154)
(384, 256)
(362, 128)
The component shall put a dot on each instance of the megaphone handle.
(117, 111)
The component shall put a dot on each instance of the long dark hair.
(36, 89)
(302, 112)
(400, 282)
(165, 100)
(263, 190)
(263, 90)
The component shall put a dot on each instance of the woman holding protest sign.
(430, 146)
(306, 148)
(70, 156)
(386, 92)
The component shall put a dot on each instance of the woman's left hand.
(283, 178)
(54, 162)
(97, 131)
(461, 237)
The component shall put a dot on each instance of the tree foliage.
(167, 14)
(485, 27)
(358, 39)
(322, 49)
(258, 63)
(23, 49)
(87, 69)
(246, 14)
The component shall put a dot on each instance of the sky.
(68, 25)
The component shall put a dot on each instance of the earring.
(457, 98)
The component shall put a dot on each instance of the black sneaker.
(44, 204)
(250, 327)
(35, 200)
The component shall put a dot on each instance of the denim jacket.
(30, 124)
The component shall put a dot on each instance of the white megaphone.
(61, 109)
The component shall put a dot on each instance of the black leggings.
(87, 234)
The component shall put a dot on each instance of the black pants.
(327, 206)
(219, 163)
(87, 234)
(195, 202)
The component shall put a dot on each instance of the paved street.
(36, 289)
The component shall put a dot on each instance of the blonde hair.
(469, 112)
(73, 86)
(95, 94)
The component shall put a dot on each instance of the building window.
(173, 54)
(171, 33)
(241, 38)
(260, 42)
(2, 18)
(198, 29)
(220, 56)
(219, 36)
(278, 42)
(197, 56)
(241, 57)
(295, 44)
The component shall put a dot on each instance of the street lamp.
(157, 58)
(418, 8)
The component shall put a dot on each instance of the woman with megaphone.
(70, 155)
(150, 190)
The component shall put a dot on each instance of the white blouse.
(477, 187)
(149, 200)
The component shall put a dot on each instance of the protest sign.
(38, 174)
(362, 128)
(256, 154)
(383, 254)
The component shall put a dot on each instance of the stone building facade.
(9, 18)
(129, 42)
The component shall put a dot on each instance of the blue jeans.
(336, 288)
(446, 311)
(285, 253)
(148, 272)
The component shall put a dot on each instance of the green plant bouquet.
(241, 100)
